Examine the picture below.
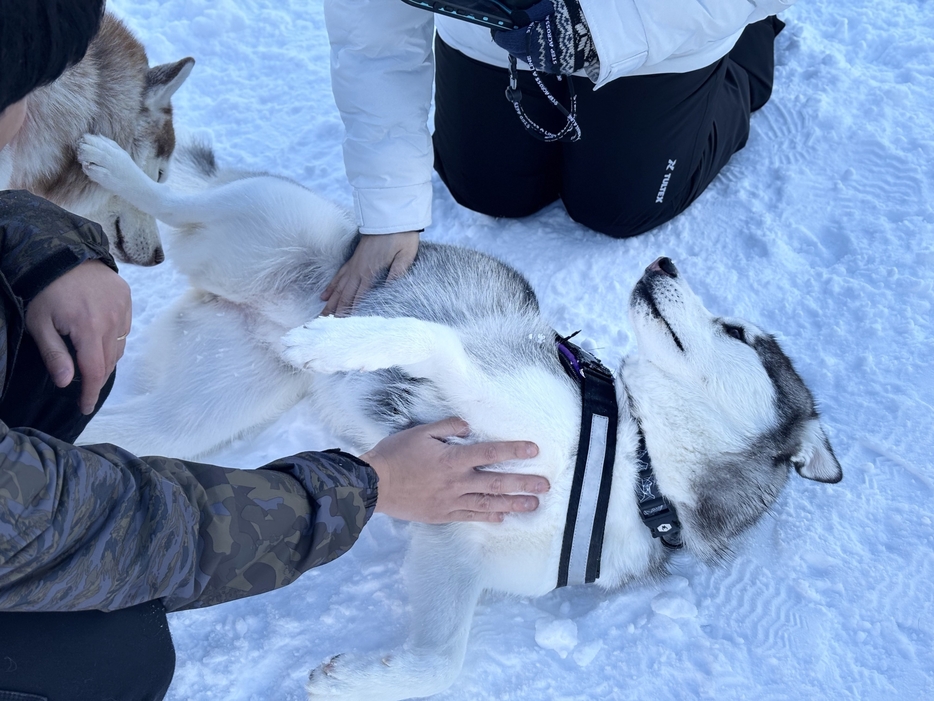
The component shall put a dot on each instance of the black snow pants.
(650, 144)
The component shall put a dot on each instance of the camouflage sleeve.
(97, 528)
(40, 241)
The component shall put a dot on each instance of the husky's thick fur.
(724, 414)
(111, 91)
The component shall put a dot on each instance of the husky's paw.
(339, 677)
(105, 162)
(359, 343)
(387, 678)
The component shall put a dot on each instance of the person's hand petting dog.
(423, 477)
(374, 255)
(91, 305)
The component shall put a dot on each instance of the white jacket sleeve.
(635, 36)
(381, 74)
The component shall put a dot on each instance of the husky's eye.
(160, 176)
(737, 332)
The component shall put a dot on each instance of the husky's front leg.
(105, 162)
(442, 572)
(366, 343)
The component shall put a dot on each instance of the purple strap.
(569, 356)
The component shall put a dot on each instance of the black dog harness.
(593, 473)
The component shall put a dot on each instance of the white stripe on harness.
(587, 505)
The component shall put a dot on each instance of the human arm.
(59, 266)
(95, 527)
(381, 76)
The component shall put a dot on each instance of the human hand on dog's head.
(422, 477)
(375, 254)
(91, 305)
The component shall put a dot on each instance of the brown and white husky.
(112, 92)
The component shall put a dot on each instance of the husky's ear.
(162, 81)
(815, 459)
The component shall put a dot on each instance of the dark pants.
(30, 398)
(650, 145)
(126, 655)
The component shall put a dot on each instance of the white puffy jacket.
(382, 69)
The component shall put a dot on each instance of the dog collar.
(593, 473)
(657, 514)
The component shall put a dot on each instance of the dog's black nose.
(663, 265)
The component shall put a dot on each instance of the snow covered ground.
(821, 230)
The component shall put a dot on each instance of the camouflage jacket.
(98, 528)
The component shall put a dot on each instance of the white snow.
(558, 634)
(821, 230)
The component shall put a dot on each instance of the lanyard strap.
(569, 132)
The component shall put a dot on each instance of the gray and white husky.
(111, 91)
(725, 416)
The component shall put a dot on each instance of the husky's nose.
(664, 266)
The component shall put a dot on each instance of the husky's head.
(724, 413)
(114, 92)
(133, 235)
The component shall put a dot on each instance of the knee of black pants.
(31, 399)
(674, 167)
(514, 198)
(630, 222)
(124, 655)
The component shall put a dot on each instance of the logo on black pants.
(660, 197)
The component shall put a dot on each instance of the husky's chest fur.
(528, 394)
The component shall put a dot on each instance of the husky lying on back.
(724, 415)
(114, 92)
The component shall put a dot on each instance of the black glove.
(557, 40)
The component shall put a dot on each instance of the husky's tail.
(193, 166)
(198, 156)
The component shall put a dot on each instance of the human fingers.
(53, 352)
(447, 428)
(99, 343)
(475, 516)
(95, 367)
(497, 503)
(336, 292)
(114, 348)
(121, 339)
(332, 302)
(334, 283)
(348, 297)
(401, 263)
(487, 482)
(364, 286)
(490, 453)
